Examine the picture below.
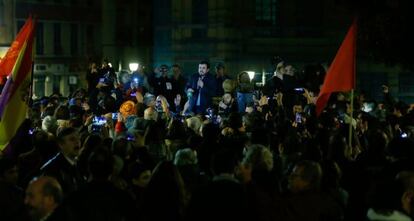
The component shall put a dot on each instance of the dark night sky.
(385, 30)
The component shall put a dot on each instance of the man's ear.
(407, 200)
(49, 201)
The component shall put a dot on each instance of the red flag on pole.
(8, 61)
(341, 73)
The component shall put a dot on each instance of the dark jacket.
(96, 201)
(206, 93)
(67, 175)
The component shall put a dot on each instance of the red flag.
(8, 61)
(341, 73)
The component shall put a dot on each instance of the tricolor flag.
(15, 95)
(341, 73)
(8, 61)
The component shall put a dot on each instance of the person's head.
(164, 70)
(406, 179)
(203, 67)
(235, 121)
(185, 157)
(280, 68)
(176, 69)
(257, 159)
(62, 113)
(390, 194)
(100, 164)
(220, 69)
(227, 98)
(150, 114)
(93, 65)
(209, 131)
(305, 176)
(194, 124)
(105, 63)
(43, 195)
(69, 142)
(297, 108)
(149, 100)
(176, 130)
(225, 161)
(139, 174)
(166, 186)
(290, 70)
(49, 124)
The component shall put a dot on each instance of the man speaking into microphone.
(201, 88)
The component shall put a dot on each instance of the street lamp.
(251, 74)
(133, 66)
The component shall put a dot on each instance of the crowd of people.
(164, 146)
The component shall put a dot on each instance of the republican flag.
(8, 61)
(15, 95)
(341, 73)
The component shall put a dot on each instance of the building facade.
(243, 34)
(72, 33)
(246, 34)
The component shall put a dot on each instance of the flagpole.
(31, 87)
(352, 117)
(352, 92)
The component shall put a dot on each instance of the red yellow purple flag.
(8, 61)
(15, 95)
(341, 73)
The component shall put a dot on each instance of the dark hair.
(276, 60)
(65, 132)
(101, 164)
(235, 120)
(164, 66)
(385, 195)
(120, 147)
(135, 169)
(62, 113)
(225, 161)
(176, 130)
(219, 66)
(311, 172)
(206, 63)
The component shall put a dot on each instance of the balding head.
(43, 195)
(406, 181)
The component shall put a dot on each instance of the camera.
(135, 83)
(98, 121)
(298, 118)
(299, 90)
(214, 118)
(130, 137)
(158, 105)
(367, 107)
